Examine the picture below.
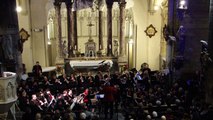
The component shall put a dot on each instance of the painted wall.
(154, 42)
(148, 49)
(24, 22)
(39, 31)
(140, 12)
(33, 19)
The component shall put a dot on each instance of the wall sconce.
(18, 9)
(49, 42)
(182, 4)
(21, 7)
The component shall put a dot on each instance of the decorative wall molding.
(2, 98)
(150, 31)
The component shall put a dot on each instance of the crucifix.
(90, 29)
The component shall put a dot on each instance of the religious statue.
(170, 44)
(7, 47)
(116, 48)
(205, 58)
(181, 40)
(82, 4)
(64, 48)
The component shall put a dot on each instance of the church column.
(109, 27)
(10, 47)
(58, 17)
(122, 47)
(69, 28)
(10, 55)
(100, 29)
(209, 82)
(75, 32)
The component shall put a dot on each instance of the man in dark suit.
(37, 70)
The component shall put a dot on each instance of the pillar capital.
(109, 4)
(122, 4)
(68, 3)
(57, 3)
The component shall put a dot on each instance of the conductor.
(37, 70)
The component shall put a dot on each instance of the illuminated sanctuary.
(169, 37)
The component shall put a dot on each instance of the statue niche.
(90, 48)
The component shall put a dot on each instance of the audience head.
(83, 116)
(34, 97)
(148, 117)
(158, 102)
(154, 114)
(163, 117)
(38, 116)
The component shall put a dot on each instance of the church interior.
(106, 59)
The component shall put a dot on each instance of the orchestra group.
(139, 94)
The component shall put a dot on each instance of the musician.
(77, 105)
(50, 99)
(66, 81)
(73, 81)
(66, 97)
(81, 80)
(86, 97)
(37, 70)
(43, 101)
(57, 85)
(89, 80)
(98, 79)
(35, 104)
(70, 94)
(60, 103)
(24, 101)
(46, 82)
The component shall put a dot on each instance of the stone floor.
(116, 116)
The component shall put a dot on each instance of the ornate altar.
(90, 48)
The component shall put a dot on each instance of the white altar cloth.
(48, 69)
(90, 63)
